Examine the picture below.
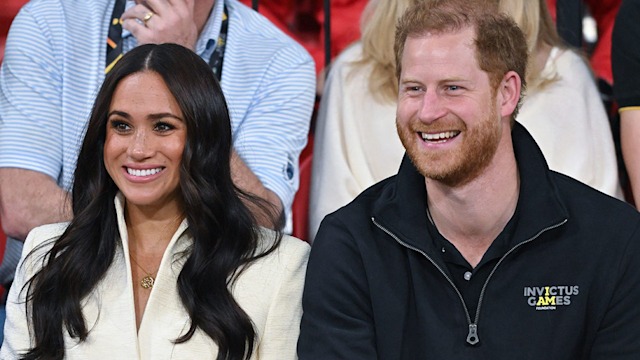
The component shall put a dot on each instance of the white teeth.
(439, 136)
(146, 172)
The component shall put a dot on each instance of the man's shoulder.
(256, 31)
(588, 205)
(252, 22)
(71, 7)
(60, 22)
(364, 204)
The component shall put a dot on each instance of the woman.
(562, 109)
(162, 259)
(355, 141)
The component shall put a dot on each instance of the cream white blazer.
(269, 291)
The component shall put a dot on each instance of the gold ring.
(147, 16)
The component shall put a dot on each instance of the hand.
(166, 21)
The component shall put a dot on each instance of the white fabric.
(569, 123)
(356, 143)
(269, 291)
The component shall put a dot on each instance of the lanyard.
(217, 57)
(114, 40)
(114, 36)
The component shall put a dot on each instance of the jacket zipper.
(472, 336)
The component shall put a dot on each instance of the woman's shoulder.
(285, 266)
(348, 59)
(353, 52)
(291, 255)
(38, 243)
(44, 233)
(48, 231)
(289, 246)
(569, 63)
(55, 229)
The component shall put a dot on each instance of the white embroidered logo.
(550, 297)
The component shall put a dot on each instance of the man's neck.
(471, 216)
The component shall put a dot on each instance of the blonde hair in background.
(378, 33)
(378, 24)
(533, 18)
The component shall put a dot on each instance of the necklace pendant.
(147, 282)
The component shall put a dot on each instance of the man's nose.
(432, 107)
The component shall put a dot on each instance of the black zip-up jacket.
(568, 287)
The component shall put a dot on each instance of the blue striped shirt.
(54, 64)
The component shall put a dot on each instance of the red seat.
(8, 10)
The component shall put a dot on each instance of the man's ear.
(508, 93)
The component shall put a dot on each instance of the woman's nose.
(140, 146)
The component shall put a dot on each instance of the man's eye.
(453, 87)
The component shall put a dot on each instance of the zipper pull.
(472, 338)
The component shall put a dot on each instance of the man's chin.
(450, 174)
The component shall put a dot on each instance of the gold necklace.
(147, 281)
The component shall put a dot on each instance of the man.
(56, 58)
(475, 249)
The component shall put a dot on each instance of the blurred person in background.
(625, 58)
(563, 109)
(355, 141)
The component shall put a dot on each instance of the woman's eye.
(162, 127)
(120, 126)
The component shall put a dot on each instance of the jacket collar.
(401, 208)
(119, 202)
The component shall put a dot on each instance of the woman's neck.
(150, 231)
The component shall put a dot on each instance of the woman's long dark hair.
(225, 233)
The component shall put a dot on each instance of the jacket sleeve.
(617, 336)
(283, 321)
(337, 322)
(30, 98)
(274, 129)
